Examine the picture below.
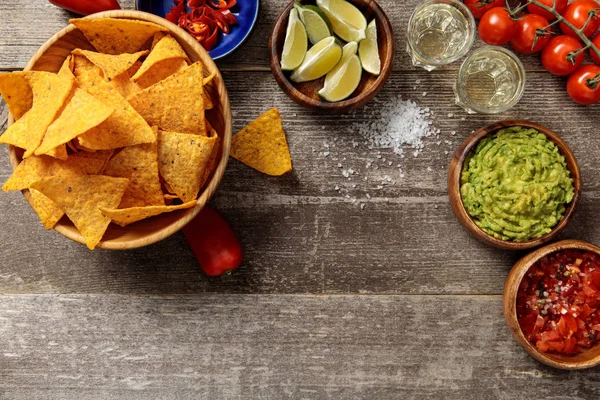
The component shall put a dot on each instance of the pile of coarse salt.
(396, 123)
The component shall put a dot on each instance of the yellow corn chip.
(139, 164)
(17, 92)
(124, 85)
(262, 145)
(182, 161)
(50, 92)
(125, 127)
(175, 103)
(167, 48)
(59, 152)
(38, 167)
(81, 197)
(82, 113)
(134, 68)
(212, 162)
(111, 65)
(67, 68)
(161, 71)
(100, 155)
(208, 103)
(45, 208)
(126, 216)
(209, 79)
(116, 36)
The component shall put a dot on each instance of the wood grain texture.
(270, 347)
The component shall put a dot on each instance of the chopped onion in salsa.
(558, 302)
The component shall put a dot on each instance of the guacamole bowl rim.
(454, 178)
(586, 359)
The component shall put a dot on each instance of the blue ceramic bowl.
(245, 11)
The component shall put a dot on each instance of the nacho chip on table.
(139, 164)
(80, 197)
(17, 93)
(45, 208)
(124, 127)
(126, 216)
(182, 162)
(82, 113)
(167, 48)
(262, 145)
(111, 65)
(50, 91)
(116, 35)
(175, 103)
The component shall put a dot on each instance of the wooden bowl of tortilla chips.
(132, 130)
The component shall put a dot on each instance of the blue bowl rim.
(241, 42)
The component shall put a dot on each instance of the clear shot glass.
(439, 33)
(490, 81)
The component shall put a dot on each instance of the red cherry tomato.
(583, 85)
(216, 247)
(561, 5)
(87, 7)
(480, 7)
(525, 40)
(496, 27)
(595, 55)
(557, 56)
(577, 13)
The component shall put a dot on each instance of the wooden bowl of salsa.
(458, 203)
(551, 304)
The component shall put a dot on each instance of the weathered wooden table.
(393, 301)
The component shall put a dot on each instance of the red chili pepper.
(87, 7)
(176, 11)
(215, 245)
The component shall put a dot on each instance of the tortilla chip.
(17, 93)
(116, 36)
(139, 164)
(100, 155)
(45, 208)
(126, 216)
(212, 162)
(208, 103)
(167, 48)
(82, 113)
(262, 145)
(209, 79)
(174, 104)
(38, 167)
(125, 127)
(182, 161)
(67, 68)
(124, 85)
(161, 71)
(80, 197)
(134, 68)
(59, 152)
(111, 65)
(50, 92)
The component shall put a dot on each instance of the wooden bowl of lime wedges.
(332, 55)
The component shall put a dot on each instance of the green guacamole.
(515, 184)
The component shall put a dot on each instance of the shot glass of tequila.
(490, 81)
(439, 33)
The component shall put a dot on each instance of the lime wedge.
(346, 20)
(315, 21)
(319, 60)
(368, 51)
(344, 78)
(296, 43)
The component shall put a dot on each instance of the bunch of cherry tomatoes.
(528, 33)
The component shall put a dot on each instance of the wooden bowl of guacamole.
(514, 184)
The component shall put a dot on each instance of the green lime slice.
(346, 20)
(348, 51)
(296, 43)
(343, 80)
(368, 52)
(319, 60)
(315, 22)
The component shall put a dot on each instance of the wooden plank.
(19, 38)
(241, 347)
(303, 236)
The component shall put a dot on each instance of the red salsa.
(558, 302)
